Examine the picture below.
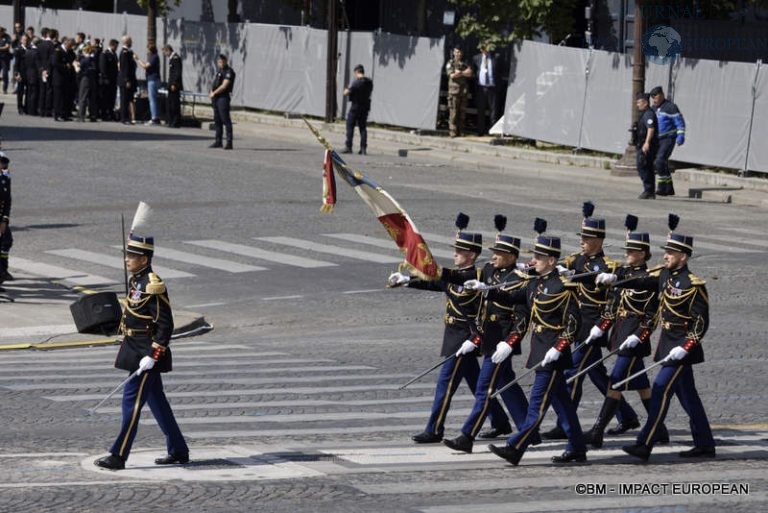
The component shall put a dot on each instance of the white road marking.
(58, 273)
(113, 261)
(332, 250)
(261, 254)
(382, 243)
(204, 261)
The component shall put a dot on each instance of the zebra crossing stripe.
(332, 250)
(249, 392)
(113, 261)
(381, 243)
(219, 264)
(38, 378)
(59, 273)
(261, 254)
(171, 382)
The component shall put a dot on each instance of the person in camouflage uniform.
(459, 73)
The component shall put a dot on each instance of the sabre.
(435, 366)
(640, 373)
(595, 364)
(118, 387)
(637, 276)
(526, 373)
(516, 380)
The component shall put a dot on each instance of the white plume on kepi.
(141, 217)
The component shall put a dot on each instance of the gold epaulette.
(695, 280)
(521, 274)
(611, 264)
(155, 285)
(655, 274)
(568, 261)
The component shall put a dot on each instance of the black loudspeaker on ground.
(96, 313)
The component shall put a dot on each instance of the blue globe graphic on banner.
(661, 43)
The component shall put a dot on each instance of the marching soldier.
(631, 314)
(147, 326)
(6, 237)
(461, 307)
(495, 321)
(592, 301)
(684, 318)
(550, 301)
(459, 73)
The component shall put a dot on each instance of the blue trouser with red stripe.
(451, 374)
(549, 387)
(677, 379)
(493, 376)
(147, 387)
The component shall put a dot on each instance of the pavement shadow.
(73, 132)
(36, 291)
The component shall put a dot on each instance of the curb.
(469, 146)
(197, 326)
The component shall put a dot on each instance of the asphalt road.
(290, 403)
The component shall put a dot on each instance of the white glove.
(467, 347)
(397, 279)
(551, 356)
(145, 364)
(630, 342)
(475, 285)
(503, 350)
(520, 266)
(605, 278)
(594, 334)
(564, 271)
(677, 353)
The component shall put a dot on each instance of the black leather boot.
(594, 436)
(461, 443)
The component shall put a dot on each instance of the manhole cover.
(303, 457)
(211, 464)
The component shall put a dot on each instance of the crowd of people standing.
(58, 76)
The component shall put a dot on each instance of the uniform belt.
(673, 325)
(540, 328)
(132, 332)
(450, 319)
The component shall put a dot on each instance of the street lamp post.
(626, 165)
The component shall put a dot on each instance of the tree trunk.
(421, 18)
(152, 22)
(232, 16)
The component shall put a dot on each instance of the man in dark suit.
(126, 80)
(108, 80)
(60, 69)
(487, 86)
(175, 86)
(32, 70)
(45, 51)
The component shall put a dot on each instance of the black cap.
(680, 243)
(641, 96)
(657, 91)
(359, 69)
(139, 245)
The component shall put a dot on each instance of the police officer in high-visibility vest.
(671, 133)
(147, 325)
